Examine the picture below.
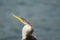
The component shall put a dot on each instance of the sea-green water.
(43, 14)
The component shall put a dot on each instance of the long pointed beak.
(17, 17)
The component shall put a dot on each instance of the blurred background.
(43, 14)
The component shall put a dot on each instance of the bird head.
(20, 19)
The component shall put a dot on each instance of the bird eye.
(23, 20)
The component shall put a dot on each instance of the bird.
(27, 30)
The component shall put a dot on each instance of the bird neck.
(28, 24)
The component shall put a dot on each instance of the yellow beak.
(17, 17)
